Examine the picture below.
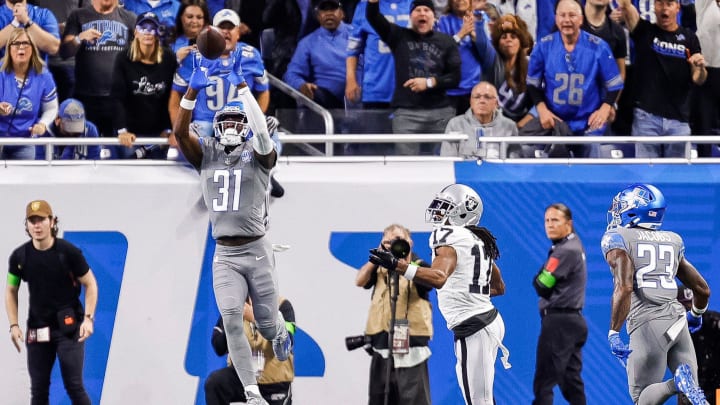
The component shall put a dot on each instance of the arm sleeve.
(76, 260)
(451, 75)
(262, 143)
(47, 21)
(49, 112)
(380, 24)
(357, 37)
(297, 71)
(485, 50)
(536, 67)
(118, 93)
(72, 25)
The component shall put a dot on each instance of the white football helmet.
(456, 204)
(231, 125)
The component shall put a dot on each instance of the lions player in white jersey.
(644, 261)
(234, 172)
(466, 276)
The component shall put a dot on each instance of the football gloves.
(618, 348)
(694, 322)
(236, 77)
(199, 78)
(383, 258)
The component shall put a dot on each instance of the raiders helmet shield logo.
(471, 204)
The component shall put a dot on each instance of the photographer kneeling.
(408, 377)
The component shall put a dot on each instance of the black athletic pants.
(223, 387)
(559, 358)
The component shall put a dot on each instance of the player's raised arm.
(262, 144)
(434, 276)
(188, 142)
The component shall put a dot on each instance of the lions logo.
(638, 198)
(24, 104)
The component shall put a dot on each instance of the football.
(210, 42)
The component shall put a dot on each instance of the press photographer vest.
(275, 371)
(410, 306)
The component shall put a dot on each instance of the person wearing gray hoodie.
(483, 118)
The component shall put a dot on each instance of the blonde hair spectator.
(36, 63)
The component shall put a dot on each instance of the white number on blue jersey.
(228, 186)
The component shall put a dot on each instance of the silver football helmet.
(456, 204)
(231, 125)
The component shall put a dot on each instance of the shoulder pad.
(612, 240)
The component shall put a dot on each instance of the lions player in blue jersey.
(644, 261)
(237, 57)
(573, 77)
(234, 171)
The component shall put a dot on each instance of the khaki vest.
(418, 310)
(275, 371)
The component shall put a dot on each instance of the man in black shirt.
(427, 63)
(668, 61)
(57, 324)
(560, 283)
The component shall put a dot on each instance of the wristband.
(457, 38)
(12, 326)
(698, 311)
(90, 317)
(187, 104)
(121, 131)
(612, 332)
(77, 41)
(29, 24)
(429, 83)
(243, 90)
(410, 272)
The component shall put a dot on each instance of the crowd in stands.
(118, 69)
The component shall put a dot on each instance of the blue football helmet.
(456, 204)
(230, 124)
(641, 205)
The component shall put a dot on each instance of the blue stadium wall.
(145, 235)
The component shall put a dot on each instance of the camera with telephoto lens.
(356, 342)
(400, 248)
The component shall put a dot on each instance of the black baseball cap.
(328, 5)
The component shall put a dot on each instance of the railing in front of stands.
(690, 156)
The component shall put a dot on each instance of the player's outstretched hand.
(199, 78)
(236, 76)
(694, 322)
(383, 258)
(618, 348)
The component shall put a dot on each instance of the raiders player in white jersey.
(234, 175)
(644, 261)
(466, 276)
